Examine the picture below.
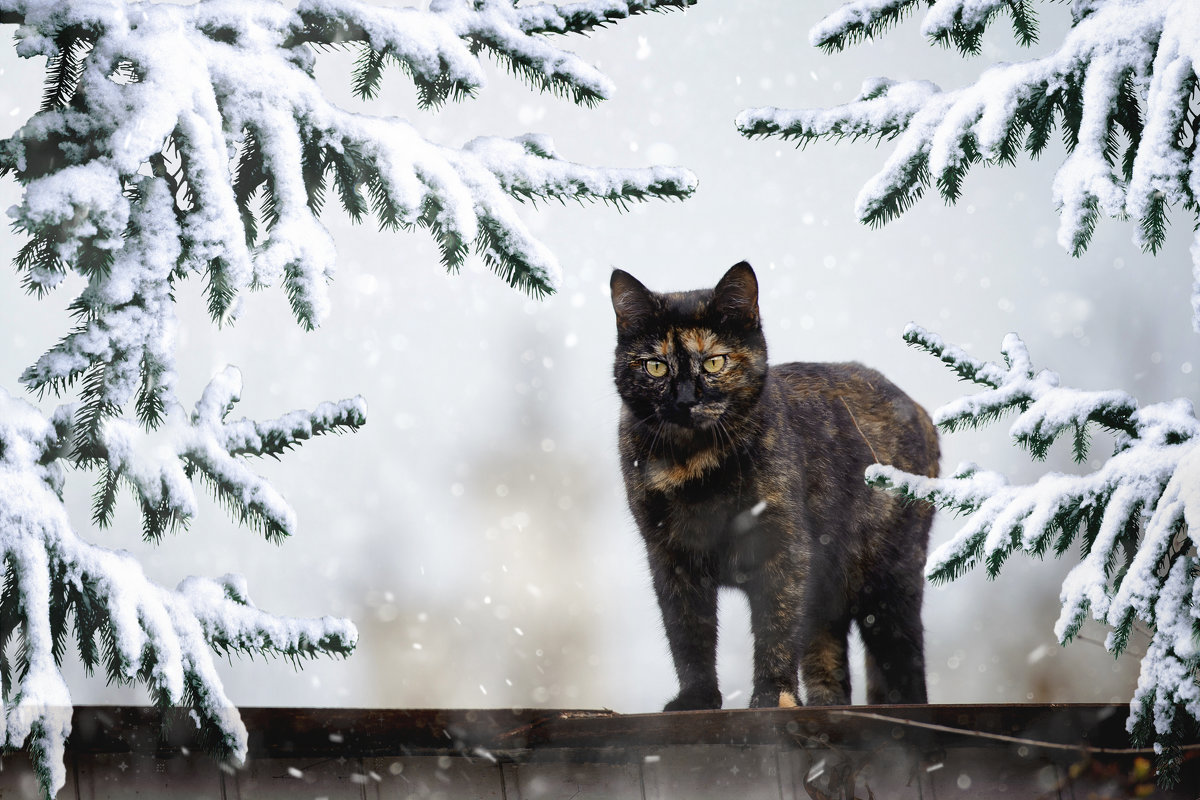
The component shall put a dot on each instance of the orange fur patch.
(663, 475)
(699, 341)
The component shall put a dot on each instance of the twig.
(1000, 737)
(860, 430)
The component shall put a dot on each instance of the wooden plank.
(572, 781)
(697, 773)
(19, 782)
(435, 778)
(367, 733)
(288, 778)
(116, 776)
(507, 754)
(789, 754)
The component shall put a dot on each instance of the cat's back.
(853, 407)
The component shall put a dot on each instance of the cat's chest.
(707, 503)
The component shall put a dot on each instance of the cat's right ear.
(632, 301)
(736, 295)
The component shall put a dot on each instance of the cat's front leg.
(774, 610)
(687, 597)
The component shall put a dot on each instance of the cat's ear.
(736, 295)
(632, 301)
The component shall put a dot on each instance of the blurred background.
(476, 529)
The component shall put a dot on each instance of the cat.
(748, 476)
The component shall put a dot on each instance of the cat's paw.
(824, 696)
(695, 700)
(774, 698)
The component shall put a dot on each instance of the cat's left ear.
(632, 301)
(736, 295)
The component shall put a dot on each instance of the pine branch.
(165, 639)
(65, 66)
(1119, 88)
(882, 111)
(248, 177)
(857, 21)
(368, 72)
(203, 444)
(43, 269)
(1135, 518)
(1024, 22)
(288, 151)
(567, 18)
(961, 23)
(127, 182)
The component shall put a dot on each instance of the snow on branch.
(586, 16)
(135, 629)
(182, 89)
(158, 464)
(179, 141)
(958, 22)
(1119, 87)
(1136, 517)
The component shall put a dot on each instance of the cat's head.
(689, 360)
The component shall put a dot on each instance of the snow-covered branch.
(183, 89)
(958, 22)
(1119, 86)
(128, 181)
(136, 629)
(193, 141)
(159, 464)
(584, 17)
(1137, 516)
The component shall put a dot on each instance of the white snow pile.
(1138, 513)
(1123, 72)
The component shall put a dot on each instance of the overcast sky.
(476, 529)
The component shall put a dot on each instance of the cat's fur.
(752, 477)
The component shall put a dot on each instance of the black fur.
(752, 477)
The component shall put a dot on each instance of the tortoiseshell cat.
(751, 477)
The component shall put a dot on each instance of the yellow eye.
(714, 364)
(656, 369)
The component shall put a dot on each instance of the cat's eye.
(654, 368)
(714, 364)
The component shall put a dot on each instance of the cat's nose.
(685, 396)
(684, 413)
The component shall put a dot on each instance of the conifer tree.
(1120, 89)
(179, 142)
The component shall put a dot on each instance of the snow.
(882, 105)
(855, 14)
(1154, 45)
(1167, 679)
(203, 90)
(153, 461)
(948, 14)
(170, 629)
(140, 194)
(1150, 484)
(429, 44)
(1179, 504)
